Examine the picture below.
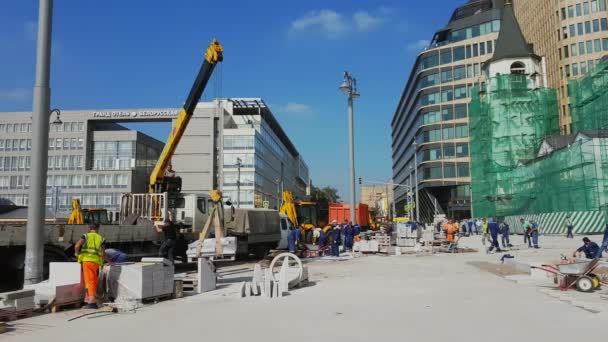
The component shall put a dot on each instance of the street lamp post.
(239, 162)
(416, 178)
(349, 86)
(34, 246)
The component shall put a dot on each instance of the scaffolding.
(508, 123)
(589, 100)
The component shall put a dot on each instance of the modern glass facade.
(431, 120)
(269, 162)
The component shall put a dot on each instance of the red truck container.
(341, 212)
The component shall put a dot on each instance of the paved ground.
(392, 298)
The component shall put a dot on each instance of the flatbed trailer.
(59, 240)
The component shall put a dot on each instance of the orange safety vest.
(450, 229)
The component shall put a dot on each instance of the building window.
(573, 50)
(587, 27)
(460, 92)
(605, 43)
(602, 5)
(446, 76)
(460, 111)
(461, 131)
(429, 61)
(596, 25)
(567, 69)
(565, 32)
(475, 50)
(589, 46)
(518, 68)
(585, 8)
(572, 30)
(447, 114)
(583, 68)
(581, 48)
(446, 56)
(490, 46)
(575, 69)
(563, 13)
(578, 10)
(579, 29)
(462, 170)
(468, 51)
(237, 142)
(447, 95)
(593, 6)
(459, 53)
(570, 11)
(430, 117)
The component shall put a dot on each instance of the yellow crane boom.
(158, 181)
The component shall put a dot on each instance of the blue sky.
(136, 53)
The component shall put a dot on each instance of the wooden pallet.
(58, 307)
(155, 299)
(189, 284)
(7, 315)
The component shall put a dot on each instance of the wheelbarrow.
(577, 273)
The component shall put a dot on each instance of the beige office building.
(571, 34)
(378, 197)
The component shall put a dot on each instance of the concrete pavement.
(432, 298)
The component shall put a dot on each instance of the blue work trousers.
(335, 249)
(535, 238)
(604, 245)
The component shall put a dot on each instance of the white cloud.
(327, 21)
(335, 25)
(17, 94)
(419, 45)
(296, 108)
(365, 21)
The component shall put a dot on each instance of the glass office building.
(430, 126)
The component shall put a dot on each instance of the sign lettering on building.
(135, 114)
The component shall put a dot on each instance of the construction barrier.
(584, 222)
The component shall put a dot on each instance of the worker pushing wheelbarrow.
(578, 273)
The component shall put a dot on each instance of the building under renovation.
(521, 165)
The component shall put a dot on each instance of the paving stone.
(17, 294)
(207, 277)
(64, 273)
(255, 289)
(247, 289)
(276, 290)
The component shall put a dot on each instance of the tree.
(326, 194)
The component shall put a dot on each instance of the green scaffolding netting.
(519, 162)
(508, 124)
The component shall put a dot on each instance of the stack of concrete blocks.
(150, 278)
(64, 285)
(17, 301)
(207, 277)
(265, 285)
(366, 246)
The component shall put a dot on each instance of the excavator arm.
(158, 181)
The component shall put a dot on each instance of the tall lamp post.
(239, 162)
(349, 86)
(34, 246)
(416, 178)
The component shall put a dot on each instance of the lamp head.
(57, 120)
(345, 87)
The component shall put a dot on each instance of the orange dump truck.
(341, 212)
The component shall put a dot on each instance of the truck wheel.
(260, 252)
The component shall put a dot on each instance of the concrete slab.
(64, 273)
(17, 294)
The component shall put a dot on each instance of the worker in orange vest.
(450, 230)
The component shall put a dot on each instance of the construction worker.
(349, 236)
(493, 232)
(478, 226)
(335, 241)
(527, 229)
(589, 248)
(505, 231)
(90, 250)
(167, 248)
(450, 230)
(604, 245)
(115, 256)
(485, 235)
(470, 224)
(569, 227)
(534, 233)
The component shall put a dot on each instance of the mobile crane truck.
(134, 234)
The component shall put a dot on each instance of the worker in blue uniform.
(349, 236)
(336, 240)
(589, 248)
(493, 230)
(534, 234)
(292, 239)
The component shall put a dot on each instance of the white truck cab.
(286, 226)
